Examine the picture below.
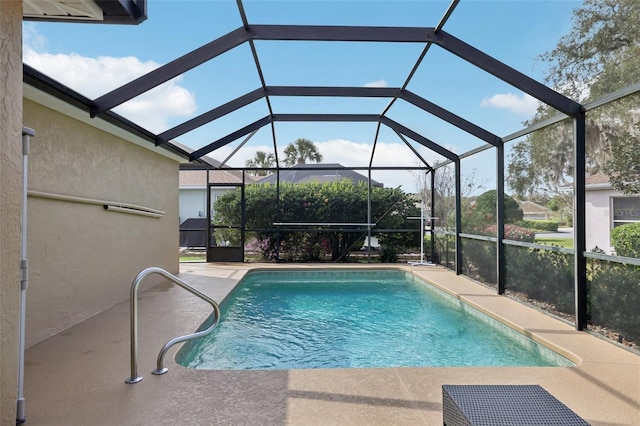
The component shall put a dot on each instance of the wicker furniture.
(508, 405)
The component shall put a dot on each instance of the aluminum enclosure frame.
(427, 36)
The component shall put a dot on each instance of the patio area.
(77, 377)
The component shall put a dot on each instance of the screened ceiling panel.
(309, 70)
(225, 125)
(320, 105)
(432, 127)
(514, 32)
(347, 143)
(472, 93)
(235, 153)
(330, 63)
(222, 79)
(360, 13)
(393, 150)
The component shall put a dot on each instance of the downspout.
(433, 214)
(207, 197)
(27, 134)
(243, 211)
(579, 226)
(500, 249)
(458, 257)
(278, 213)
(369, 217)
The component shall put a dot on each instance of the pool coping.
(77, 377)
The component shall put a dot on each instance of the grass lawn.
(562, 242)
(192, 258)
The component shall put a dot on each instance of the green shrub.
(540, 225)
(626, 239)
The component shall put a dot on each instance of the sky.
(95, 59)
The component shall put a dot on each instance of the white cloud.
(377, 83)
(93, 77)
(31, 37)
(350, 153)
(518, 104)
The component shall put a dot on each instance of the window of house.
(625, 210)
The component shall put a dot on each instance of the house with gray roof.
(605, 209)
(194, 181)
(321, 172)
(534, 211)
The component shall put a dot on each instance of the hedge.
(540, 225)
(614, 297)
(321, 203)
(547, 276)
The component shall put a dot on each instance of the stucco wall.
(598, 219)
(10, 202)
(82, 257)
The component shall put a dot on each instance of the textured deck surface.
(77, 377)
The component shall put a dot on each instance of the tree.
(624, 167)
(599, 55)
(261, 160)
(445, 191)
(484, 211)
(301, 150)
(601, 51)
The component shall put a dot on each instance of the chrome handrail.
(135, 378)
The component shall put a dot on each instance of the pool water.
(354, 319)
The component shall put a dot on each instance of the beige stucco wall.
(10, 201)
(82, 257)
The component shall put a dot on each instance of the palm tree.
(300, 151)
(260, 160)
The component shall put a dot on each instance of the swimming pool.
(354, 319)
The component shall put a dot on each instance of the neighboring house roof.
(199, 177)
(531, 208)
(597, 181)
(323, 172)
(195, 173)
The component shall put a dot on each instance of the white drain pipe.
(27, 134)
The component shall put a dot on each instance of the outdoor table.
(508, 405)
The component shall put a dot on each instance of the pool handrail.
(135, 378)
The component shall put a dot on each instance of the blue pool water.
(354, 319)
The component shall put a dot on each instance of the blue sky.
(94, 59)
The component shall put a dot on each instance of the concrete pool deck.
(77, 377)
